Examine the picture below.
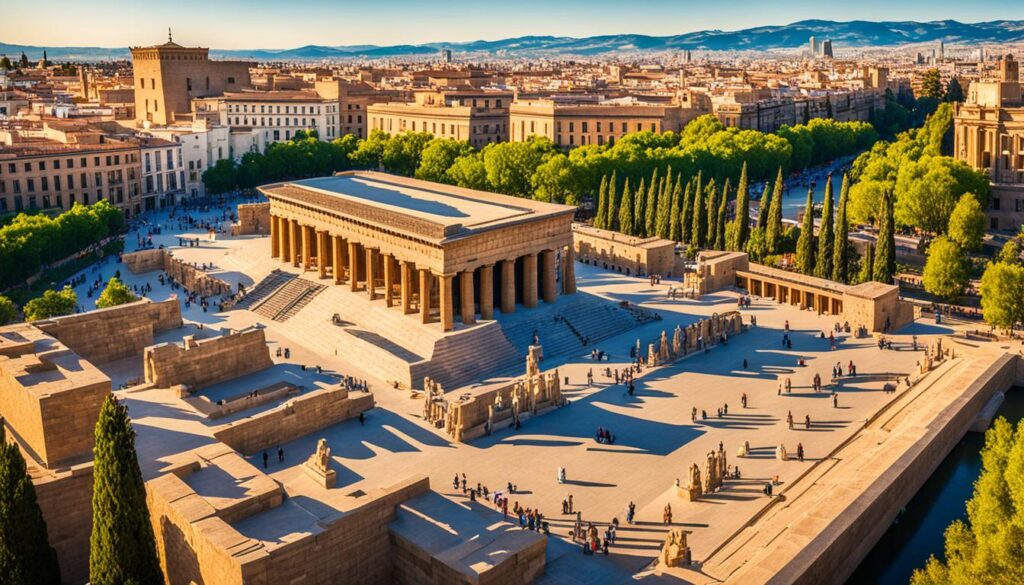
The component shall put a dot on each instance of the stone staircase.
(264, 288)
(466, 357)
(287, 300)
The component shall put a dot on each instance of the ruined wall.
(65, 499)
(192, 278)
(207, 361)
(105, 335)
(626, 254)
(416, 566)
(298, 417)
(144, 260)
(253, 218)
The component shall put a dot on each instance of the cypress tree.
(122, 548)
(867, 265)
(676, 211)
(763, 206)
(742, 221)
(666, 204)
(720, 214)
(826, 235)
(885, 251)
(698, 231)
(602, 210)
(686, 216)
(711, 217)
(626, 210)
(840, 249)
(773, 232)
(26, 557)
(651, 205)
(805, 245)
(612, 205)
(639, 197)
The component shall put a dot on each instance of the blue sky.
(232, 24)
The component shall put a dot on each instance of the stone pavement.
(655, 440)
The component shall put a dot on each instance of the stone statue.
(663, 351)
(677, 341)
(318, 466)
(322, 458)
(780, 453)
(676, 551)
(744, 449)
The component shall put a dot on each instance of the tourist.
(800, 452)
(630, 513)
(787, 325)
(266, 459)
(835, 400)
(743, 399)
(455, 482)
(789, 419)
(667, 514)
(744, 363)
(807, 422)
(280, 454)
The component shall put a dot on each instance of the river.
(918, 533)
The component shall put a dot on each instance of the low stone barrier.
(199, 363)
(190, 277)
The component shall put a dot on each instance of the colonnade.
(524, 280)
(825, 303)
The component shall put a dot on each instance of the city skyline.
(259, 24)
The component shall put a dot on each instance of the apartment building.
(476, 116)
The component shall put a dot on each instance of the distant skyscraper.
(942, 51)
(826, 49)
(446, 55)
(814, 47)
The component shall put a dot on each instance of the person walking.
(800, 452)
(280, 454)
(266, 459)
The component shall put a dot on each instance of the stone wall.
(200, 363)
(105, 335)
(65, 499)
(627, 254)
(190, 277)
(145, 260)
(253, 218)
(296, 418)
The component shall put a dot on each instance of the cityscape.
(563, 293)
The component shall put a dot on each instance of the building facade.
(479, 117)
(163, 174)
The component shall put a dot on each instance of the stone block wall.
(65, 499)
(105, 335)
(192, 278)
(253, 218)
(297, 418)
(207, 361)
(416, 566)
(144, 260)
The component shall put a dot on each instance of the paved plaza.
(655, 439)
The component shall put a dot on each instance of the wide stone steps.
(288, 300)
(467, 357)
(264, 289)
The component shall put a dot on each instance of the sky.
(280, 24)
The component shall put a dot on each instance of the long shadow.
(581, 483)
(379, 431)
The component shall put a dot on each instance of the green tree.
(639, 196)
(602, 203)
(676, 211)
(805, 244)
(468, 172)
(967, 223)
(122, 547)
(51, 304)
(26, 557)
(553, 181)
(686, 215)
(438, 156)
(763, 206)
(840, 244)
(1002, 288)
(650, 217)
(698, 229)
(666, 202)
(222, 177)
(885, 250)
(720, 218)
(1010, 252)
(5, 63)
(742, 221)
(945, 270)
(626, 225)
(867, 264)
(116, 293)
(612, 204)
(954, 92)
(8, 310)
(826, 235)
(928, 190)
(931, 85)
(773, 230)
(987, 547)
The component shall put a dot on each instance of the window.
(71, 163)
(231, 79)
(56, 165)
(12, 168)
(31, 185)
(28, 167)
(45, 183)
(585, 127)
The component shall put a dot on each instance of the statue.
(677, 341)
(694, 488)
(663, 351)
(780, 453)
(675, 552)
(318, 466)
(744, 449)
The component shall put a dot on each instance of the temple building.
(433, 250)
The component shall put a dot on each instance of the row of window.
(157, 185)
(114, 177)
(265, 109)
(18, 203)
(69, 163)
(446, 129)
(169, 157)
(585, 126)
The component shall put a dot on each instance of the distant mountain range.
(856, 33)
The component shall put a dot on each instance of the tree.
(805, 244)
(222, 177)
(122, 547)
(468, 172)
(945, 271)
(8, 310)
(826, 235)
(676, 211)
(711, 231)
(954, 92)
(774, 228)
(885, 250)
(666, 201)
(438, 156)
(51, 304)
(626, 210)
(967, 223)
(1002, 288)
(698, 230)
(742, 221)
(987, 547)
(686, 215)
(841, 247)
(553, 180)
(720, 215)
(26, 557)
(928, 190)
(1010, 252)
(867, 264)
(931, 85)
(602, 203)
(116, 293)
(612, 204)
(650, 218)
(763, 205)
(5, 63)
(639, 196)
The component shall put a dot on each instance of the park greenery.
(31, 241)
(51, 304)
(8, 310)
(946, 270)
(987, 547)
(122, 547)
(26, 557)
(116, 293)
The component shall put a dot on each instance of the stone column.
(426, 279)
(549, 290)
(406, 286)
(569, 271)
(447, 308)
(508, 286)
(337, 262)
(466, 295)
(282, 236)
(293, 238)
(275, 248)
(307, 256)
(389, 279)
(321, 253)
(530, 281)
(487, 292)
(353, 266)
(371, 265)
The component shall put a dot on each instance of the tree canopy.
(26, 557)
(967, 222)
(51, 304)
(8, 310)
(1002, 288)
(116, 293)
(945, 270)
